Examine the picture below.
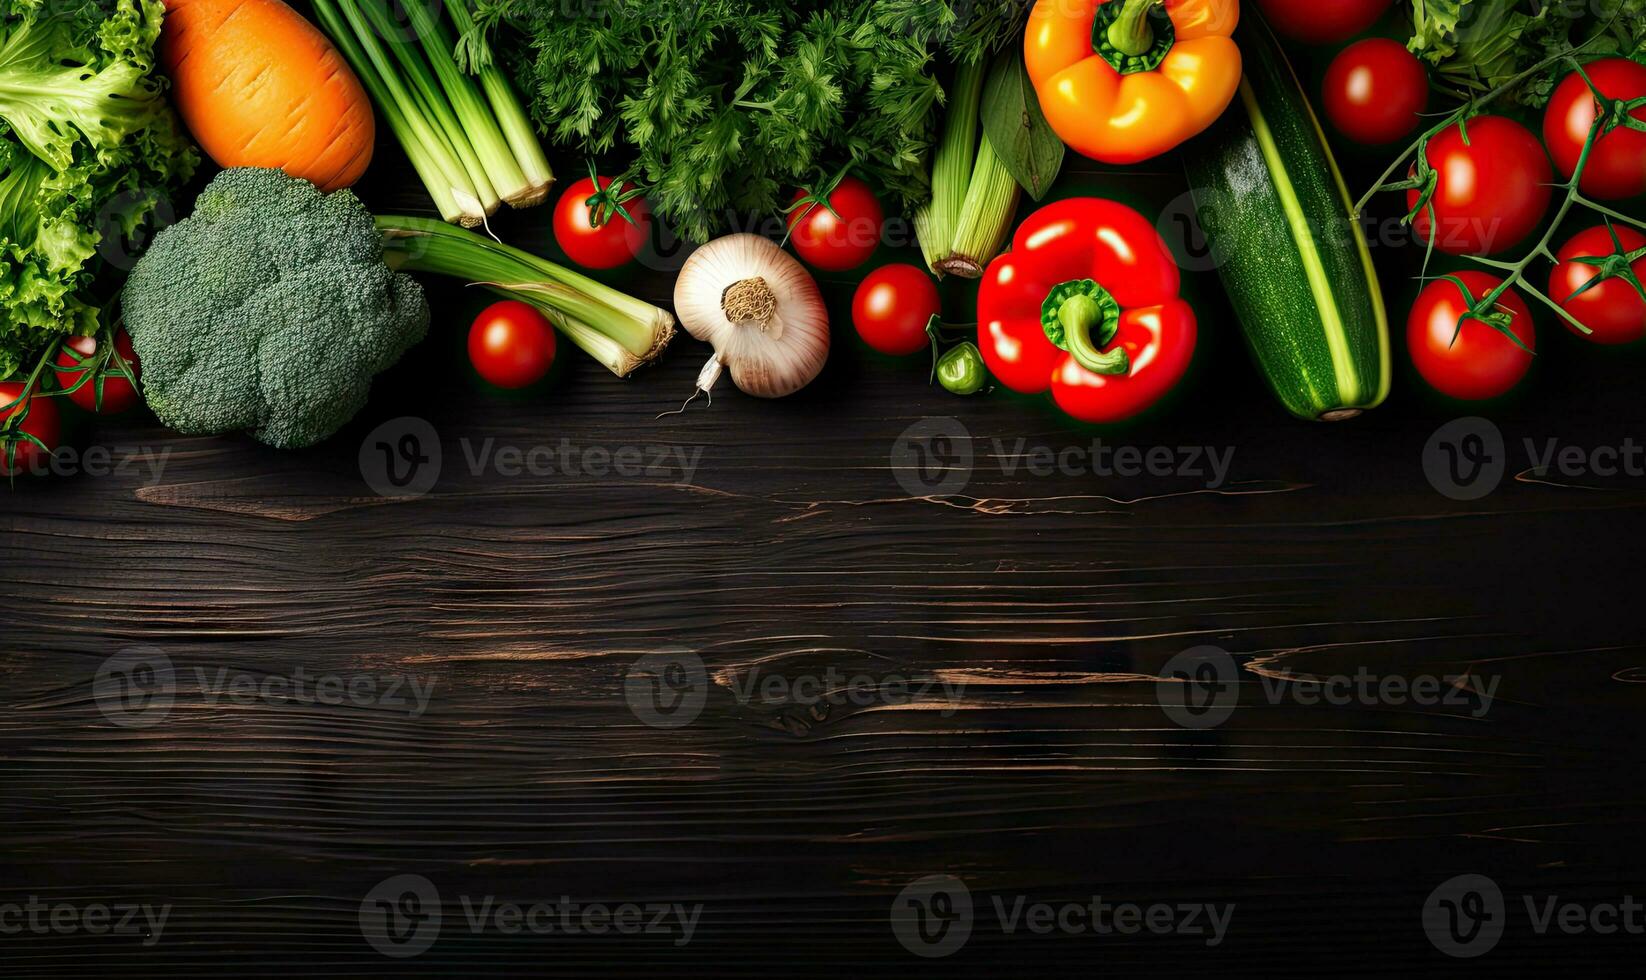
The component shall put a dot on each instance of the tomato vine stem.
(1424, 180)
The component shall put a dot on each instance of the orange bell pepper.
(1126, 80)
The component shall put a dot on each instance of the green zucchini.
(1290, 251)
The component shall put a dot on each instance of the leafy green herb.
(1015, 126)
(88, 147)
(723, 106)
(1478, 46)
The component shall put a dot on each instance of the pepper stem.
(1133, 35)
(1081, 317)
(1130, 33)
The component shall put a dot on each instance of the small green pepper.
(960, 370)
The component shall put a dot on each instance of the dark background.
(795, 549)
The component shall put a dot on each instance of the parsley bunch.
(721, 106)
(1479, 45)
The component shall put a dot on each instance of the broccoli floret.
(269, 309)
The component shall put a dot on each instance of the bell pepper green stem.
(1082, 318)
(1133, 35)
(1078, 314)
(1130, 32)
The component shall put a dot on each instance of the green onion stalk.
(619, 331)
(466, 135)
(974, 196)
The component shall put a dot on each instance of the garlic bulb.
(759, 309)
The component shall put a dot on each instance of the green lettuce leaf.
(88, 148)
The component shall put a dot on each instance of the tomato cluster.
(84, 373)
(1485, 186)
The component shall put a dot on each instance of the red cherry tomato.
(1491, 192)
(1611, 308)
(511, 345)
(1617, 164)
(604, 246)
(1318, 22)
(118, 394)
(1376, 91)
(1480, 362)
(41, 423)
(892, 307)
(841, 239)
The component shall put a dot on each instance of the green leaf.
(1016, 128)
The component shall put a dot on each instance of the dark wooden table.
(992, 644)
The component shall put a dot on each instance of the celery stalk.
(511, 117)
(473, 111)
(952, 163)
(364, 51)
(442, 113)
(985, 218)
(617, 330)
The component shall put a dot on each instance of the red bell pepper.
(1086, 303)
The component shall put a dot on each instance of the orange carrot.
(259, 86)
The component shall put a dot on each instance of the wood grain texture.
(789, 548)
